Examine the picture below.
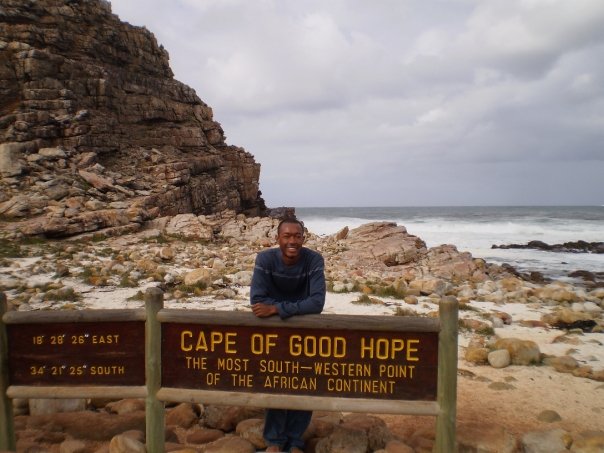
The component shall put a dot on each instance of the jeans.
(284, 427)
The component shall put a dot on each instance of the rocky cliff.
(95, 132)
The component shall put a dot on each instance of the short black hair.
(290, 220)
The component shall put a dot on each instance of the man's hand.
(264, 310)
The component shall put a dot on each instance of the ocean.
(476, 229)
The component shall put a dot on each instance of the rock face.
(95, 133)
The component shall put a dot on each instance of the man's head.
(290, 237)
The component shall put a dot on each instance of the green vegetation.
(390, 291)
(127, 282)
(11, 249)
(65, 293)
(468, 307)
(486, 331)
(196, 289)
(401, 311)
(138, 296)
(364, 299)
(91, 276)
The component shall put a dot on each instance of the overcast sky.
(399, 102)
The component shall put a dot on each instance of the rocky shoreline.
(377, 268)
(567, 247)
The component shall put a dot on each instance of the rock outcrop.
(95, 132)
(567, 247)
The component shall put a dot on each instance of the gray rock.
(549, 416)
(9, 159)
(500, 358)
(230, 445)
(344, 440)
(485, 438)
(553, 441)
(522, 352)
(126, 444)
(251, 430)
(41, 406)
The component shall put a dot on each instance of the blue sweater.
(298, 289)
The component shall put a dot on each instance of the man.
(287, 281)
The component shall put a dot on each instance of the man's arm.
(315, 301)
(263, 305)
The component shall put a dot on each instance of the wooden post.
(447, 376)
(154, 408)
(7, 425)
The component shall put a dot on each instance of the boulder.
(189, 226)
(198, 276)
(10, 164)
(499, 358)
(126, 444)
(427, 287)
(185, 415)
(485, 438)
(563, 364)
(200, 436)
(476, 354)
(231, 444)
(226, 418)
(126, 406)
(375, 428)
(251, 430)
(588, 442)
(385, 242)
(344, 440)
(522, 352)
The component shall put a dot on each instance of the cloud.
(346, 102)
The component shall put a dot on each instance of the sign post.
(447, 375)
(154, 408)
(375, 364)
(7, 427)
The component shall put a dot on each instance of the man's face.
(290, 239)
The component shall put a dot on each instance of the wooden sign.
(301, 361)
(85, 353)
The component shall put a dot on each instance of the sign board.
(301, 361)
(85, 353)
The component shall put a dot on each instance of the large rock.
(92, 101)
(230, 445)
(252, 431)
(126, 444)
(382, 241)
(485, 438)
(185, 415)
(344, 440)
(590, 442)
(226, 418)
(446, 262)
(522, 352)
(189, 226)
(377, 432)
(10, 164)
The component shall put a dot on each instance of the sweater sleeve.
(260, 288)
(313, 304)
